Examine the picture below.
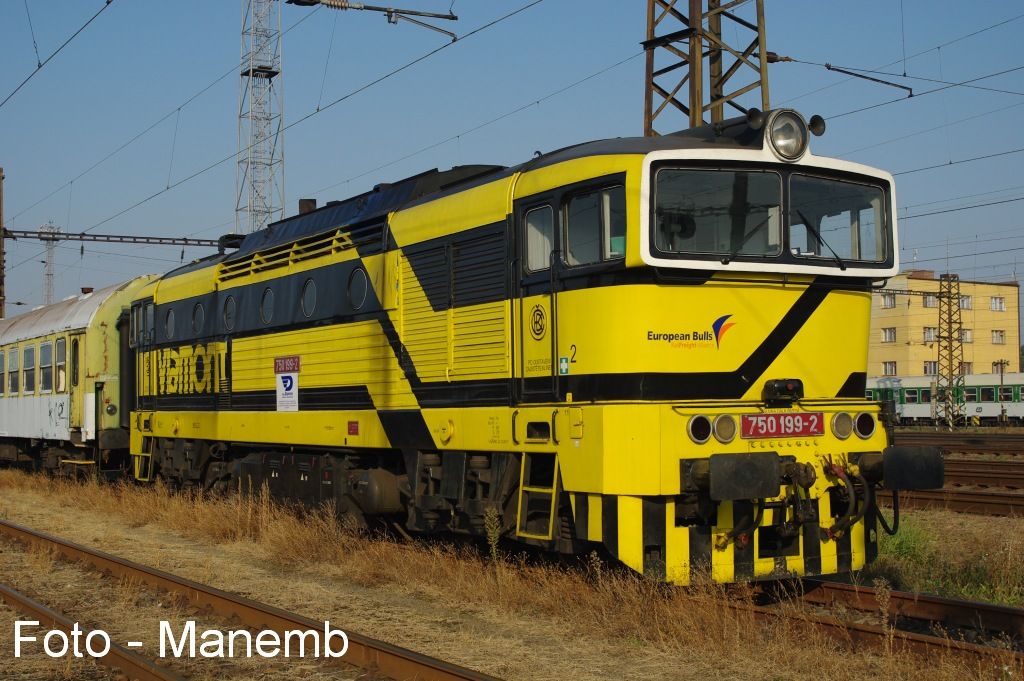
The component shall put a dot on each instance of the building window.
(966, 368)
(931, 368)
(931, 300)
(3, 379)
(888, 300)
(889, 335)
(965, 303)
(28, 369)
(62, 365)
(888, 368)
(46, 367)
(931, 334)
(997, 304)
(595, 226)
(12, 372)
(966, 336)
(998, 337)
(540, 229)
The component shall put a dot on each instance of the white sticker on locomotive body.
(288, 392)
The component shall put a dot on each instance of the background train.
(654, 347)
(989, 399)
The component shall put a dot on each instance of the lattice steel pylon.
(259, 176)
(48, 262)
(950, 383)
(732, 70)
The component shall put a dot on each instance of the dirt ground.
(509, 620)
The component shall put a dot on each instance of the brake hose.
(895, 516)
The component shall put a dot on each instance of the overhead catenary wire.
(315, 112)
(39, 68)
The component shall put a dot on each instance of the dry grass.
(604, 615)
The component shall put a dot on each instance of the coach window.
(988, 394)
(540, 229)
(970, 394)
(229, 313)
(595, 226)
(74, 361)
(62, 358)
(910, 397)
(198, 317)
(28, 369)
(12, 372)
(46, 367)
(267, 305)
(308, 298)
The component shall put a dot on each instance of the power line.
(922, 94)
(39, 68)
(317, 112)
(231, 71)
(953, 210)
(964, 160)
(915, 55)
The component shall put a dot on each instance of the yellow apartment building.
(905, 326)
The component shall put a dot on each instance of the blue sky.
(139, 61)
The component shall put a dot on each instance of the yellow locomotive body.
(642, 344)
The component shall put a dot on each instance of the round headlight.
(842, 425)
(724, 428)
(787, 133)
(864, 425)
(699, 429)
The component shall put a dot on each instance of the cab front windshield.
(727, 214)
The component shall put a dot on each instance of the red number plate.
(802, 424)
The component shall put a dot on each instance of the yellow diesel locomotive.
(652, 345)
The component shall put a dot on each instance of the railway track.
(968, 473)
(1010, 444)
(982, 502)
(366, 653)
(134, 666)
(917, 616)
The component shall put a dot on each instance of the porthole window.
(229, 313)
(169, 324)
(357, 287)
(308, 298)
(198, 317)
(267, 306)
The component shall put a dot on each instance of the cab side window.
(540, 231)
(595, 226)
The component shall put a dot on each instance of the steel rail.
(133, 665)
(985, 473)
(364, 652)
(859, 634)
(949, 612)
(964, 441)
(985, 502)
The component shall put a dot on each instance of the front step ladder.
(538, 482)
(143, 464)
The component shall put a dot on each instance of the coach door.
(537, 301)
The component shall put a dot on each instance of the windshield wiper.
(817, 235)
(727, 259)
